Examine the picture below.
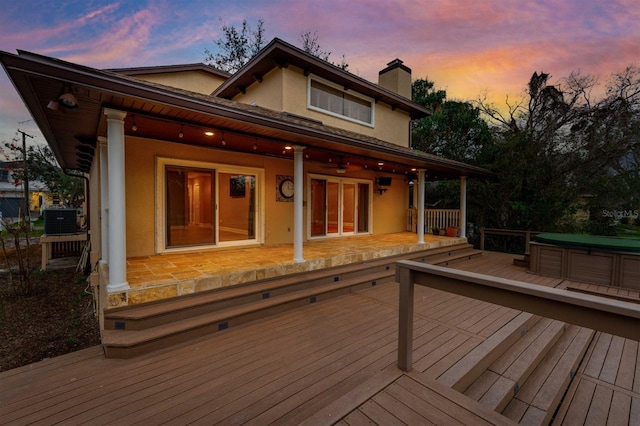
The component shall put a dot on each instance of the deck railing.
(507, 232)
(611, 316)
(440, 218)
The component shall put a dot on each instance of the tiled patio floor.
(168, 275)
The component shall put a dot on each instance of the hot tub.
(587, 258)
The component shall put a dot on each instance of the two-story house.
(185, 158)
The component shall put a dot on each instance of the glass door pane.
(189, 206)
(363, 207)
(333, 210)
(237, 207)
(318, 207)
(348, 207)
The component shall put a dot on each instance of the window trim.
(217, 168)
(321, 80)
(340, 181)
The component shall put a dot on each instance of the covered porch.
(138, 141)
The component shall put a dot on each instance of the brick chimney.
(397, 78)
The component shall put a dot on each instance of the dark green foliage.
(236, 46)
(562, 161)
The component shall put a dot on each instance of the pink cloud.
(125, 43)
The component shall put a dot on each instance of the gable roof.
(161, 112)
(281, 54)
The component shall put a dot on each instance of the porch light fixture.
(210, 133)
(288, 147)
(134, 126)
(181, 135)
(68, 101)
(223, 142)
(255, 146)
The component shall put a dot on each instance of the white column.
(117, 217)
(421, 206)
(463, 206)
(298, 188)
(104, 200)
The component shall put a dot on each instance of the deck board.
(331, 362)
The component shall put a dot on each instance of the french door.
(339, 206)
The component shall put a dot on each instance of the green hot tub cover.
(591, 241)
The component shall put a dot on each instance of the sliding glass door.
(190, 196)
(207, 206)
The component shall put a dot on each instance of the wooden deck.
(332, 362)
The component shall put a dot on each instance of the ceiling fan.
(342, 166)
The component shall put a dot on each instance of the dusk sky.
(466, 47)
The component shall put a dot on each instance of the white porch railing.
(440, 218)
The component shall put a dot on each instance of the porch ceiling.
(163, 113)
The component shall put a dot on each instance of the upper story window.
(4, 175)
(329, 98)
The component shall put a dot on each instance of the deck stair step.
(128, 343)
(469, 368)
(446, 255)
(522, 261)
(540, 395)
(146, 315)
(141, 316)
(498, 384)
(137, 329)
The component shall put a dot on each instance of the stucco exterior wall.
(285, 89)
(194, 81)
(140, 165)
(267, 96)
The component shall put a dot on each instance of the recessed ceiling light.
(209, 133)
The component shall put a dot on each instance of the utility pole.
(26, 177)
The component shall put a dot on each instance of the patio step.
(136, 329)
(142, 316)
(127, 343)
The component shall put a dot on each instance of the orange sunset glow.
(489, 47)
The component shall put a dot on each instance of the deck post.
(463, 206)
(298, 188)
(405, 323)
(104, 200)
(117, 214)
(421, 173)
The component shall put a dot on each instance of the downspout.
(87, 199)
(87, 203)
